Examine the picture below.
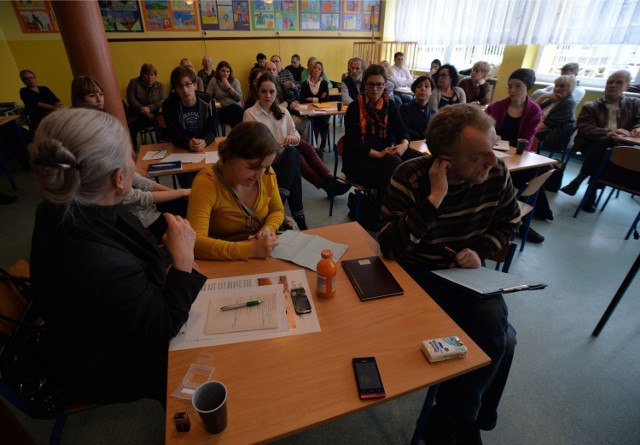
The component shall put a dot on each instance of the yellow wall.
(46, 56)
(515, 56)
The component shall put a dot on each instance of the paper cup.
(210, 400)
(522, 145)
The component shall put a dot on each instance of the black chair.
(619, 159)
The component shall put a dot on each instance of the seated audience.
(401, 76)
(144, 100)
(314, 90)
(86, 92)
(305, 73)
(261, 61)
(599, 123)
(38, 100)
(435, 66)
(569, 69)
(199, 82)
(225, 88)
(416, 115)
(352, 85)
(110, 297)
(281, 125)
(235, 208)
(295, 68)
(476, 88)
(190, 116)
(518, 117)
(375, 137)
(390, 87)
(289, 96)
(457, 208)
(252, 97)
(558, 114)
(287, 167)
(446, 92)
(207, 72)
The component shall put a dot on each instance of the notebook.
(371, 278)
(164, 166)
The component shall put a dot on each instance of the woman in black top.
(417, 114)
(315, 90)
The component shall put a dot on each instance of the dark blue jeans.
(473, 398)
(287, 168)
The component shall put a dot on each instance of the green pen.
(232, 307)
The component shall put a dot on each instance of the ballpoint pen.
(232, 307)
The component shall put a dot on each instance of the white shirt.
(279, 128)
(578, 93)
(400, 76)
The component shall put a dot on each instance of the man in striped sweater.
(455, 209)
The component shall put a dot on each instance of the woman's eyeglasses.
(374, 85)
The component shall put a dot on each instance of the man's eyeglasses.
(374, 85)
(185, 85)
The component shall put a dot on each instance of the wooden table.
(524, 161)
(420, 146)
(627, 140)
(142, 166)
(328, 108)
(284, 385)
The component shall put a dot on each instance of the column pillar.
(85, 42)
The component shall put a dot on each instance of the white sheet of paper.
(154, 154)
(186, 158)
(304, 249)
(211, 157)
(502, 145)
(500, 154)
(250, 318)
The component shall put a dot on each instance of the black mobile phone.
(368, 378)
(300, 301)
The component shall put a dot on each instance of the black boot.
(324, 136)
(301, 222)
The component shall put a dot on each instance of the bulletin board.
(121, 16)
(279, 15)
(170, 15)
(35, 16)
(225, 15)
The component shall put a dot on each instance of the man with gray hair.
(457, 208)
(352, 83)
(599, 122)
(571, 69)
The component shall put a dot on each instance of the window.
(460, 56)
(596, 62)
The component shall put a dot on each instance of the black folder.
(371, 278)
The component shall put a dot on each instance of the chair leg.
(633, 227)
(592, 186)
(608, 198)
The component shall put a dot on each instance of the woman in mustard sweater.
(235, 206)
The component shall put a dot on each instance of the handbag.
(25, 355)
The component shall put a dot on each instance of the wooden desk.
(142, 166)
(284, 385)
(627, 140)
(524, 161)
(403, 90)
(334, 93)
(420, 146)
(332, 110)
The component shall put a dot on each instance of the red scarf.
(373, 117)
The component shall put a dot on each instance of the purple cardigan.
(530, 119)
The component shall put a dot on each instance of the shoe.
(570, 189)
(301, 222)
(544, 216)
(589, 207)
(341, 188)
(533, 236)
(320, 153)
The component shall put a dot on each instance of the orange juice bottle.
(326, 271)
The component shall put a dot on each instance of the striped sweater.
(481, 217)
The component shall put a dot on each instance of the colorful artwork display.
(35, 16)
(121, 16)
(280, 15)
(333, 15)
(232, 15)
(170, 15)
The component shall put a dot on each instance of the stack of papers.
(305, 250)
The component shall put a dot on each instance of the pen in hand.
(232, 307)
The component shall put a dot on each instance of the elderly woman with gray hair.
(110, 297)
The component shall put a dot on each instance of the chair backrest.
(534, 185)
(340, 146)
(626, 157)
(12, 303)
